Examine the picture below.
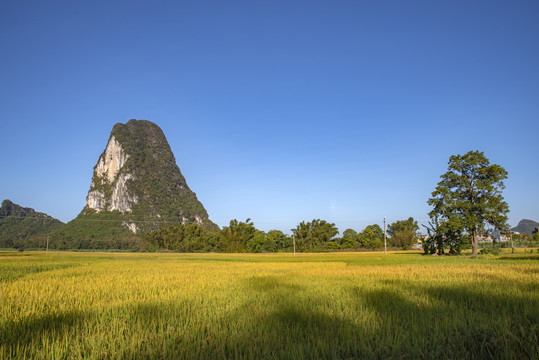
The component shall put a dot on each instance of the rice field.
(275, 306)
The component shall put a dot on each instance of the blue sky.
(280, 111)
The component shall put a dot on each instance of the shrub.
(493, 251)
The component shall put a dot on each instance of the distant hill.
(526, 226)
(136, 187)
(24, 227)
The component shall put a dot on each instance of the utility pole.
(385, 240)
(294, 241)
(512, 247)
(47, 249)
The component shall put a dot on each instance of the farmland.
(331, 305)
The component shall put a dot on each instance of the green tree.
(371, 237)
(278, 241)
(404, 239)
(402, 225)
(403, 233)
(332, 245)
(469, 197)
(428, 243)
(181, 238)
(350, 239)
(442, 235)
(303, 236)
(535, 234)
(526, 237)
(236, 235)
(314, 235)
(258, 243)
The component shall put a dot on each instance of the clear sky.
(280, 111)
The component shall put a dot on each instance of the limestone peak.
(137, 181)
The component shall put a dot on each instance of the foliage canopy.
(468, 199)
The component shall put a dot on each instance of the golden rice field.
(275, 306)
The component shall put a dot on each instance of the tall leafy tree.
(403, 233)
(258, 243)
(469, 198)
(314, 234)
(278, 241)
(350, 239)
(371, 237)
(402, 225)
(303, 235)
(237, 235)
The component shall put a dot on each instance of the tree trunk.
(474, 243)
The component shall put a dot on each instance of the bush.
(377, 244)
(348, 244)
(404, 239)
(493, 251)
(332, 245)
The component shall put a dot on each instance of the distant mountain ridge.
(526, 226)
(18, 224)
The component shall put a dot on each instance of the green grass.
(336, 305)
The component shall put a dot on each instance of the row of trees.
(243, 236)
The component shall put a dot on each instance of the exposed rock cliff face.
(137, 181)
(106, 174)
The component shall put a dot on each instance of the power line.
(178, 221)
(171, 221)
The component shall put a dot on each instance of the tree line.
(238, 236)
(243, 236)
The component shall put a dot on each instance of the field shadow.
(21, 272)
(31, 328)
(281, 322)
(457, 322)
(294, 324)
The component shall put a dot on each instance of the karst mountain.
(136, 187)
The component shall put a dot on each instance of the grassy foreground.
(205, 306)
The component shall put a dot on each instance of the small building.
(502, 235)
(484, 238)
